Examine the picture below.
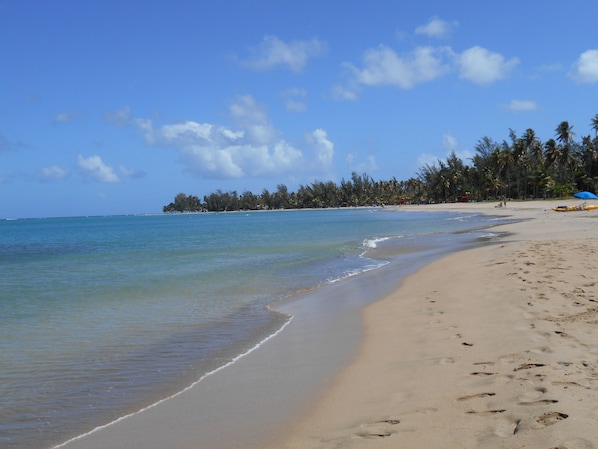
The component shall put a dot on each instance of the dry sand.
(494, 347)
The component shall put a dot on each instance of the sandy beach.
(493, 347)
(490, 347)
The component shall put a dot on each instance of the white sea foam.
(373, 243)
(463, 217)
(369, 267)
(487, 235)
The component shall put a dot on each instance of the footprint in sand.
(540, 402)
(374, 435)
(569, 384)
(380, 429)
(475, 396)
(486, 412)
(550, 418)
(529, 366)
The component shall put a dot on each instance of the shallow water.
(103, 315)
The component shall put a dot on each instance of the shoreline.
(296, 365)
(490, 347)
(351, 421)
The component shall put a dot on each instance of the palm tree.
(553, 155)
(589, 161)
(531, 157)
(594, 124)
(564, 133)
(501, 161)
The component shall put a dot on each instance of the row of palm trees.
(357, 191)
(521, 167)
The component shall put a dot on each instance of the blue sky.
(114, 107)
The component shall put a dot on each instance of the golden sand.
(494, 347)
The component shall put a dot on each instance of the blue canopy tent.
(585, 195)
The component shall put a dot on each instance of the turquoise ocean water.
(100, 316)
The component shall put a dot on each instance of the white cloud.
(252, 118)
(436, 28)
(323, 147)
(94, 168)
(52, 173)
(585, 69)
(521, 105)
(253, 148)
(449, 142)
(482, 66)
(382, 66)
(273, 52)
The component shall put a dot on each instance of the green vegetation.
(521, 168)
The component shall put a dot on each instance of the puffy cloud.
(253, 148)
(324, 148)
(94, 168)
(52, 173)
(482, 66)
(382, 66)
(436, 28)
(585, 69)
(521, 105)
(273, 52)
(253, 119)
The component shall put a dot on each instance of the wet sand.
(492, 347)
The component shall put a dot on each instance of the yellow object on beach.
(575, 208)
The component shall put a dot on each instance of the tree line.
(520, 167)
